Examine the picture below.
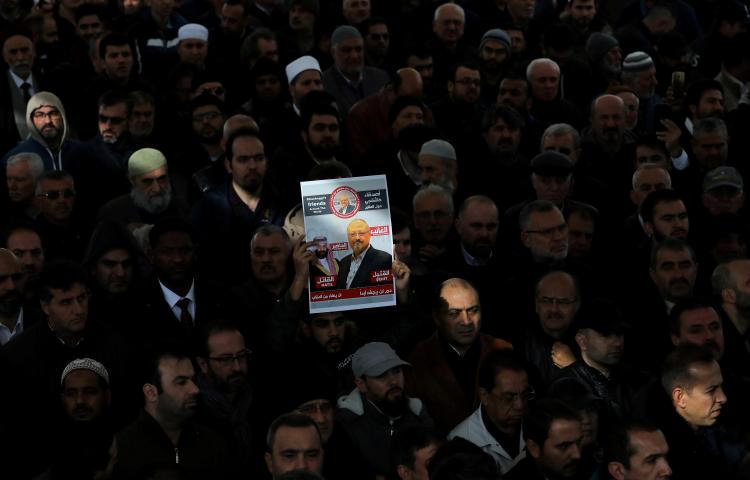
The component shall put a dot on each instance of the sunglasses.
(55, 194)
(111, 120)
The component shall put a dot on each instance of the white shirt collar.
(172, 298)
(20, 81)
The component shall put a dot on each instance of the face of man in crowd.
(321, 412)
(433, 218)
(723, 199)
(142, 120)
(193, 51)
(651, 155)
(113, 122)
(649, 458)
(521, 10)
(740, 290)
(377, 40)
(173, 257)
(18, 53)
(67, 311)
(248, 164)
(449, 25)
(553, 188)
(11, 280)
(227, 363)
(564, 144)
(329, 331)
(580, 235)
(408, 116)
(178, 399)
(477, 226)
(56, 199)
(83, 397)
(503, 139)
(546, 236)
(422, 457)
(295, 448)
(89, 26)
(386, 391)
(402, 243)
(582, 12)
(113, 271)
(305, 83)
(465, 86)
(508, 401)
(647, 181)
(27, 247)
(670, 221)
(674, 274)
(233, 19)
(513, 93)
(644, 84)
(208, 122)
(152, 191)
(323, 136)
(349, 56)
(556, 303)
(267, 87)
(604, 350)
(608, 121)
(493, 54)
(301, 19)
(701, 405)
(561, 453)
(424, 66)
(49, 34)
(20, 182)
(118, 61)
(710, 149)
(268, 256)
(544, 80)
(355, 11)
(460, 317)
(432, 170)
(48, 122)
(701, 327)
(711, 104)
(632, 103)
(358, 234)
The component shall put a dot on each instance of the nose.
(721, 396)
(665, 470)
(575, 453)
(193, 388)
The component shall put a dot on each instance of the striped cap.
(85, 364)
(637, 62)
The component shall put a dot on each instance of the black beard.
(324, 152)
(394, 408)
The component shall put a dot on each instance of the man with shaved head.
(357, 269)
(731, 285)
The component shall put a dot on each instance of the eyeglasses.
(513, 397)
(562, 302)
(55, 194)
(548, 232)
(311, 408)
(112, 120)
(226, 360)
(469, 81)
(52, 114)
(202, 117)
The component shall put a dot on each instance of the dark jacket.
(371, 80)
(374, 260)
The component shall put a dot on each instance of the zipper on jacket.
(390, 432)
(176, 456)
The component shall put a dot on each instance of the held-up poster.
(349, 221)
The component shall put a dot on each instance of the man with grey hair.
(646, 179)
(729, 282)
(438, 165)
(710, 144)
(448, 47)
(562, 138)
(475, 256)
(547, 105)
(21, 173)
(544, 232)
(639, 73)
(433, 222)
(151, 196)
(349, 80)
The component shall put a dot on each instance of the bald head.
(410, 83)
(605, 102)
(235, 122)
(608, 121)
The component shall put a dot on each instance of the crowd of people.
(570, 261)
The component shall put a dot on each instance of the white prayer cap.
(300, 65)
(192, 31)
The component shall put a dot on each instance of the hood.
(39, 100)
(354, 403)
(109, 236)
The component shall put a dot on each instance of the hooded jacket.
(53, 160)
(372, 431)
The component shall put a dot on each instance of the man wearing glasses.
(495, 426)
(62, 233)
(48, 130)
(225, 392)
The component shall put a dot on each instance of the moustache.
(267, 268)
(679, 281)
(333, 340)
(82, 410)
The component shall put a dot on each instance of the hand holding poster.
(349, 220)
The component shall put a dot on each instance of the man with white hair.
(21, 173)
(349, 80)
(448, 47)
(543, 75)
(639, 73)
(150, 197)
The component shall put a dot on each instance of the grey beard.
(154, 205)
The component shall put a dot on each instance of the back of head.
(675, 371)
(536, 425)
(60, 275)
(459, 459)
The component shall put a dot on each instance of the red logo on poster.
(344, 202)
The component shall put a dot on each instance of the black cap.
(602, 316)
(551, 164)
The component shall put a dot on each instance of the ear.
(150, 393)
(678, 397)
(648, 227)
(202, 364)
(728, 295)
(108, 397)
(692, 109)
(304, 137)
(581, 341)
(227, 165)
(45, 307)
(525, 240)
(483, 395)
(533, 448)
(361, 384)
(675, 339)
(269, 462)
(616, 470)
(652, 273)
(632, 197)
(403, 472)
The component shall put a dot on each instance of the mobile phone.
(678, 84)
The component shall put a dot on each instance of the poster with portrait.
(349, 221)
